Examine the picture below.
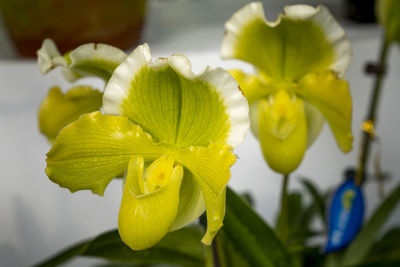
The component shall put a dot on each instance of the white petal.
(49, 57)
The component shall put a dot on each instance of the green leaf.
(182, 248)
(317, 198)
(299, 222)
(228, 255)
(64, 256)
(387, 249)
(363, 243)
(251, 236)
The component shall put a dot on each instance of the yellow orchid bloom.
(58, 109)
(300, 60)
(172, 132)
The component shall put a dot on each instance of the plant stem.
(215, 257)
(367, 137)
(284, 208)
(215, 254)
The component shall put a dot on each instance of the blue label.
(345, 216)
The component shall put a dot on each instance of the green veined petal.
(58, 110)
(388, 15)
(303, 40)
(283, 140)
(173, 104)
(98, 60)
(145, 219)
(332, 97)
(91, 151)
(210, 167)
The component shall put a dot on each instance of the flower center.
(283, 111)
(158, 174)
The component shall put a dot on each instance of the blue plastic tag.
(345, 215)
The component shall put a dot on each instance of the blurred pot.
(73, 22)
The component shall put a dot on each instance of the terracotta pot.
(73, 22)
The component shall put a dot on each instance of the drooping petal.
(58, 110)
(98, 60)
(315, 122)
(191, 204)
(173, 104)
(210, 167)
(145, 219)
(332, 97)
(253, 86)
(91, 151)
(302, 40)
(283, 137)
(388, 15)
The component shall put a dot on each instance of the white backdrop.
(38, 218)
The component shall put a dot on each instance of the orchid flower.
(172, 132)
(388, 13)
(58, 109)
(300, 60)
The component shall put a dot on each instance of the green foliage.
(387, 249)
(181, 248)
(361, 246)
(251, 236)
(318, 199)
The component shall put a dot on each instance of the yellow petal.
(58, 110)
(191, 204)
(210, 167)
(283, 139)
(145, 219)
(331, 96)
(253, 86)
